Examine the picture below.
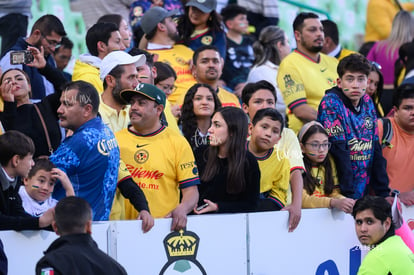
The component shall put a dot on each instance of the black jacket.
(78, 254)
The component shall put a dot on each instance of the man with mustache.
(207, 69)
(306, 73)
(90, 157)
(159, 159)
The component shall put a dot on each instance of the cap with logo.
(119, 58)
(205, 6)
(153, 16)
(147, 90)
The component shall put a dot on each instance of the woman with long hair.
(199, 105)
(201, 25)
(375, 87)
(31, 119)
(229, 173)
(269, 50)
(123, 27)
(385, 53)
(320, 184)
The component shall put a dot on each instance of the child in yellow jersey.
(265, 130)
(320, 184)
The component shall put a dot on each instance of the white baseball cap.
(116, 58)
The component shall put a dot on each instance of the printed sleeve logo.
(289, 83)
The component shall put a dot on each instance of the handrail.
(304, 6)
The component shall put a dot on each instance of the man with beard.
(118, 72)
(161, 32)
(46, 32)
(207, 69)
(306, 73)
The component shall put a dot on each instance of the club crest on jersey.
(368, 123)
(141, 156)
(207, 40)
(288, 81)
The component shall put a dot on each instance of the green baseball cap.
(147, 90)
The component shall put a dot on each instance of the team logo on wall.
(181, 248)
(141, 156)
(206, 40)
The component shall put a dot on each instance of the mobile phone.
(21, 57)
(202, 207)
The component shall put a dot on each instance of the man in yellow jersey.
(207, 69)
(161, 32)
(305, 74)
(159, 159)
(101, 39)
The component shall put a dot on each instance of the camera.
(21, 57)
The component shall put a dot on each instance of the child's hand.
(344, 204)
(58, 174)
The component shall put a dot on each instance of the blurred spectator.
(269, 50)
(62, 56)
(165, 81)
(331, 44)
(239, 55)
(123, 27)
(201, 25)
(261, 13)
(14, 18)
(385, 53)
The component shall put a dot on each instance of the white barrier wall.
(257, 243)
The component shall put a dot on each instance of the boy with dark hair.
(265, 132)
(16, 160)
(374, 228)
(397, 138)
(62, 56)
(349, 116)
(75, 252)
(239, 52)
(260, 95)
(38, 187)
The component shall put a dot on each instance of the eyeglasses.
(376, 65)
(52, 43)
(317, 146)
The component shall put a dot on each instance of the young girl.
(375, 87)
(201, 25)
(320, 185)
(200, 103)
(229, 174)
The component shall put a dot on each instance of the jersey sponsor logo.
(141, 173)
(335, 130)
(187, 165)
(359, 145)
(139, 146)
(105, 146)
(141, 156)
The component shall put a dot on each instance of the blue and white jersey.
(90, 158)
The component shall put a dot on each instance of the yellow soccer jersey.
(160, 163)
(274, 176)
(304, 81)
(227, 98)
(179, 58)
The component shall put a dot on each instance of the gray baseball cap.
(205, 6)
(153, 16)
